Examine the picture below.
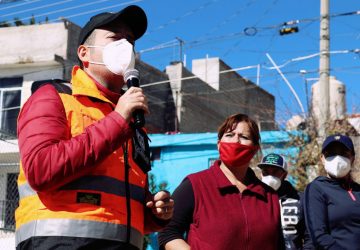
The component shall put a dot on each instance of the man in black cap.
(332, 202)
(83, 175)
(274, 171)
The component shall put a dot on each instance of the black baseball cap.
(133, 16)
(338, 138)
(273, 160)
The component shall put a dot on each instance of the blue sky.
(215, 28)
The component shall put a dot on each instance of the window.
(10, 98)
(12, 200)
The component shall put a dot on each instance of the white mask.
(118, 56)
(272, 181)
(337, 166)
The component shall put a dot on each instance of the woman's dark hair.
(230, 124)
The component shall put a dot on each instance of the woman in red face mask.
(226, 206)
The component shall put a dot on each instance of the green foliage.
(18, 22)
(154, 187)
(32, 20)
(309, 154)
(4, 24)
(307, 165)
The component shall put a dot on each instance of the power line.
(193, 77)
(177, 19)
(263, 15)
(17, 5)
(228, 19)
(164, 45)
(99, 9)
(254, 66)
(36, 8)
(297, 21)
(78, 6)
(288, 83)
(249, 31)
(315, 55)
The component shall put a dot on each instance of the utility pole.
(324, 69)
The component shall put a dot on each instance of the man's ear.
(284, 175)
(322, 158)
(83, 54)
(352, 159)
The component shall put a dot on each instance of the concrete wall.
(193, 113)
(240, 95)
(38, 52)
(208, 71)
(160, 99)
(38, 43)
(203, 106)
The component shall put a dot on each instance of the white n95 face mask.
(272, 181)
(337, 166)
(118, 56)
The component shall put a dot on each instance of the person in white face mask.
(273, 173)
(332, 202)
(84, 165)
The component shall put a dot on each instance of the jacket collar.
(84, 85)
(223, 182)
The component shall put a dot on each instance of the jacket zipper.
(246, 222)
(127, 192)
(349, 190)
(351, 194)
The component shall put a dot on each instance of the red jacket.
(73, 168)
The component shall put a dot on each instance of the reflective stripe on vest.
(104, 184)
(77, 228)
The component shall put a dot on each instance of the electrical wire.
(177, 19)
(164, 45)
(229, 18)
(17, 5)
(98, 9)
(250, 31)
(37, 8)
(315, 55)
(298, 21)
(76, 7)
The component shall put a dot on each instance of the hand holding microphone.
(133, 103)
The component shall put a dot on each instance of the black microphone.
(131, 78)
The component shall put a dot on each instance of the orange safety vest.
(97, 204)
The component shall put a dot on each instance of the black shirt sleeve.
(183, 214)
(307, 245)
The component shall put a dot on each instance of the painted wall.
(183, 154)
